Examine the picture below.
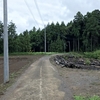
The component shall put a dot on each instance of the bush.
(95, 54)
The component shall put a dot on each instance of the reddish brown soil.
(16, 63)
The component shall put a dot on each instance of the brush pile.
(77, 62)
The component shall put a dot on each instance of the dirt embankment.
(81, 76)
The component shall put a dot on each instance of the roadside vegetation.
(93, 54)
(32, 53)
(86, 98)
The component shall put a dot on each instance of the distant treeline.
(80, 34)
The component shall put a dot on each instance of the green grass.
(95, 54)
(87, 61)
(32, 53)
(75, 54)
(87, 98)
(79, 98)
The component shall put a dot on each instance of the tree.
(12, 37)
(1, 37)
(57, 45)
(82, 33)
(92, 29)
(78, 24)
(26, 41)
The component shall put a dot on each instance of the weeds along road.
(39, 82)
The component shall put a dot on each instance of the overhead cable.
(31, 12)
(39, 11)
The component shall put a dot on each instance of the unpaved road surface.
(40, 81)
(46, 81)
(79, 81)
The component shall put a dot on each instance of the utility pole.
(6, 58)
(45, 38)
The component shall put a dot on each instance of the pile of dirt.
(77, 62)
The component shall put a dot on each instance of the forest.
(81, 34)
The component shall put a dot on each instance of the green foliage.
(32, 53)
(1, 37)
(87, 55)
(87, 61)
(82, 34)
(79, 98)
(57, 46)
(94, 98)
(95, 54)
(86, 98)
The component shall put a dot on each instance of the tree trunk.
(78, 43)
(91, 43)
(73, 44)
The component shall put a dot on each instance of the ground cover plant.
(86, 98)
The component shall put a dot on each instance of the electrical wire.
(39, 12)
(31, 12)
(43, 24)
(1, 10)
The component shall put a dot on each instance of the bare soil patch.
(82, 80)
(16, 63)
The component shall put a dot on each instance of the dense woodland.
(80, 34)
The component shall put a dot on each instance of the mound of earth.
(77, 62)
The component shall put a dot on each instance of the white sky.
(51, 11)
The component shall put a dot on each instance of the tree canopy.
(80, 34)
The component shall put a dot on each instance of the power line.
(1, 9)
(31, 12)
(36, 21)
(39, 11)
(43, 24)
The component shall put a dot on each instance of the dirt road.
(41, 81)
(84, 82)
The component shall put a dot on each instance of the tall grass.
(95, 54)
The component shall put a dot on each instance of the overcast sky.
(26, 17)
